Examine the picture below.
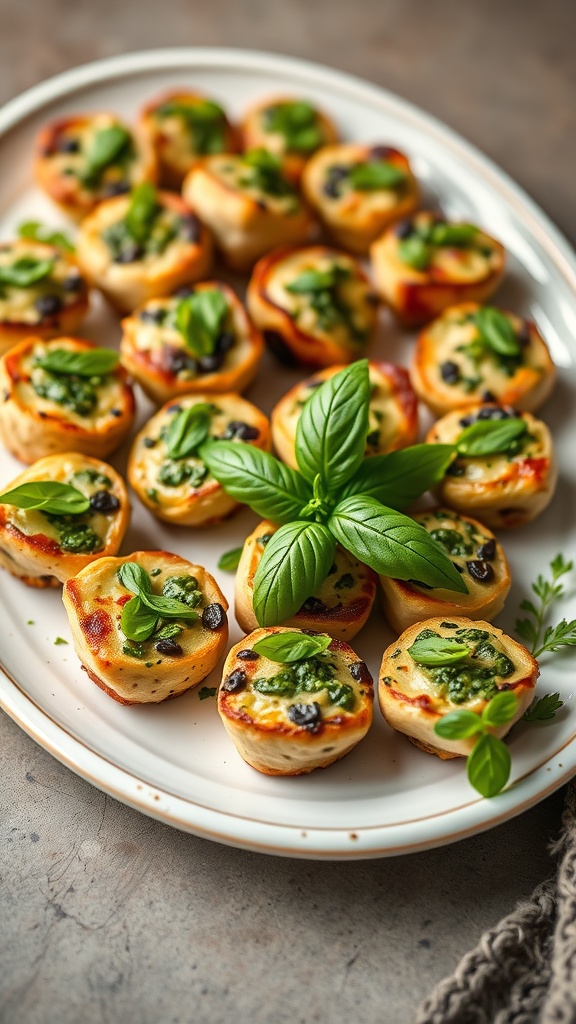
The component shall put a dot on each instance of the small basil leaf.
(458, 725)
(188, 430)
(142, 211)
(295, 563)
(297, 122)
(168, 607)
(205, 122)
(459, 235)
(134, 578)
(288, 647)
(392, 544)
(332, 428)
(398, 478)
(310, 281)
(496, 331)
(47, 496)
(106, 147)
(38, 232)
(414, 252)
(230, 560)
(271, 489)
(199, 318)
(490, 437)
(94, 362)
(25, 272)
(374, 175)
(489, 765)
(137, 622)
(500, 710)
(437, 650)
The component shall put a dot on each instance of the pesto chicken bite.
(182, 127)
(425, 263)
(165, 467)
(84, 159)
(314, 305)
(290, 128)
(59, 515)
(438, 666)
(249, 205)
(505, 471)
(143, 245)
(198, 339)
(148, 626)
(62, 395)
(292, 702)
(357, 191)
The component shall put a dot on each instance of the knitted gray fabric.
(523, 971)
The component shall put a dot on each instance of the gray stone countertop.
(108, 916)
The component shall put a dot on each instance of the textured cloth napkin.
(523, 971)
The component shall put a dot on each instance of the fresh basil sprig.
(108, 146)
(297, 121)
(94, 362)
(532, 630)
(141, 614)
(38, 232)
(496, 332)
(200, 317)
(188, 430)
(398, 478)
(47, 496)
(291, 646)
(489, 762)
(373, 175)
(437, 651)
(25, 272)
(491, 437)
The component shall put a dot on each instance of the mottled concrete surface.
(108, 916)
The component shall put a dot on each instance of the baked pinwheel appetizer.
(136, 247)
(148, 626)
(63, 395)
(393, 419)
(339, 608)
(438, 666)
(42, 292)
(505, 471)
(473, 353)
(479, 558)
(84, 159)
(182, 127)
(357, 191)
(292, 129)
(249, 205)
(165, 467)
(292, 702)
(60, 515)
(199, 339)
(424, 263)
(314, 305)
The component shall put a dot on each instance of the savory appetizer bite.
(357, 191)
(248, 203)
(292, 701)
(182, 127)
(314, 305)
(436, 667)
(505, 471)
(478, 556)
(60, 515)
(165, 467)
(424, 263)
(199, 339)
(63, 395)
(42, 292)
(148, 626)
(474, 353)
(393, 415)
(339, 608)
(84, 159)
(290, 128)
(143, 245)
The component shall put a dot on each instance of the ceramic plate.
(174, 761)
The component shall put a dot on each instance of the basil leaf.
(47, 496)
(310, 281)
(271, 489)
(500, 710)
(266, 173)
(200, 318)
(205, 122)
(142, 211)
(490, 437)
(38, 232)
(297, 122)
(437, 650)
(458, 725)
(489, 765)
(134, 578)
(415, 252)
(392, 544)
(459, 235)
(107, 147)
(398, 478)
(25, 272)
(167, 607)
(496, 331)
(289, 647)
(188, 430)
(137, 622)
(94, 362)
(376, 174)
(229, 561)
(295, 563)
(332, 428)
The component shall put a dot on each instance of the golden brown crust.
(256, 136)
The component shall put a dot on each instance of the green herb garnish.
(437, 650)
(376, 174)
(230, 560)
(207, 691)
(291, 646)
(94, 362)
(47, 496)
(264, 172)
(200, 320)
(492, 437)
(59, 641)
(297, 121)
(489, 762)
(416, 250)
(38, 232)
(204, 120)
(322, 288)
(140, 615)
(25, 272)
(550, 638)
(108, 146)
(188, 430)
(142, 212)
(496, 333)
(544, 709)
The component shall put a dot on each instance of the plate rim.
(286, 840)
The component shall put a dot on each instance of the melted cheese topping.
(18, 305)
(83, 131)
(490, 469)
(233, 172)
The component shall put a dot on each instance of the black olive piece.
(487, 551)
(149, 442)
(214, 616)
(487, 396)
(103, 501)
(190, 228)
(48, 305)
(169, 647)
(225, 342)
(307, 715)
(524, 334)
(359, 672)
(210, 364)
(334, 177)
(404, 229)
(381, 152)
(115, 188)
(177, 361)
(455, 468)
(235, 682)
(248, 655)
(450, 372)
(66, 144)
(480, 571)
(116, 412)
(72, 283)
(278, 346)
(153, 316)
(313, 604)
(174, 408)
(130, 253)
(467, 421)
(494, 412)
(243, 431)
(183, 291)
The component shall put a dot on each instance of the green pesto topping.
(79, 394)
(185, 589)
(453, 541)
(323, 292)
(311, 675)
(473, 677)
